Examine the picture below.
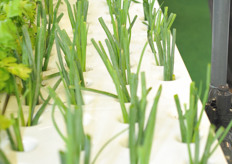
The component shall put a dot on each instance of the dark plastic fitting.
(223, 103)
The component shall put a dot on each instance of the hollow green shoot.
(159, 33)
(140, 140)
(75, 139)
(78, 18)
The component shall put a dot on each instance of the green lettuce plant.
(14, 15)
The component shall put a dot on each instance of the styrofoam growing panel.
(102, 114)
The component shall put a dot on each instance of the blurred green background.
(193, 34)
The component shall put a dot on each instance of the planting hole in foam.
(29, 143)
(124, 142)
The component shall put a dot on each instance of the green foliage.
(158, 31)
(76, 140)
(140, 141)
(190, 122)
(8, 37)
(14, 15)
(5, 122)
(51, 19)
(8, 67)
(3, 158)
(77, 18)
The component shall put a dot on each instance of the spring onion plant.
(78, 18)
(50, 19)
(190, 122)
(114, 71)
(3, 158)
(140, 141)
(146, 7)
(31, 87)
(71, 78)
(158, 31)
(119, 40)
(76, 140)
(15, 135)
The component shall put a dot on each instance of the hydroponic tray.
(102, 114)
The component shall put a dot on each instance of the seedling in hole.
(158, 31)
(140, 142)
(190, 123)
(78, 18)
(115, 73)
(76, 140)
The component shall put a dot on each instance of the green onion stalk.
(12, 128)
(140, 141)
(31, 87)
(115, 73)
(50, 21)
(190, 121)
(78, 18)
(76, 140)
(120, 39)
(157, 32)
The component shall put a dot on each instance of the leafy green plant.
(9, 67)
(22, 37)
(13, 15)
(5, 123)
(190, 122)
(140, 141)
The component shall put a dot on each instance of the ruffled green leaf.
(13, 9)
(3, 53)
(5, 122)
(4, 77)
(8, 31)
(20, 8)
(12, 67)
(19, 70)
